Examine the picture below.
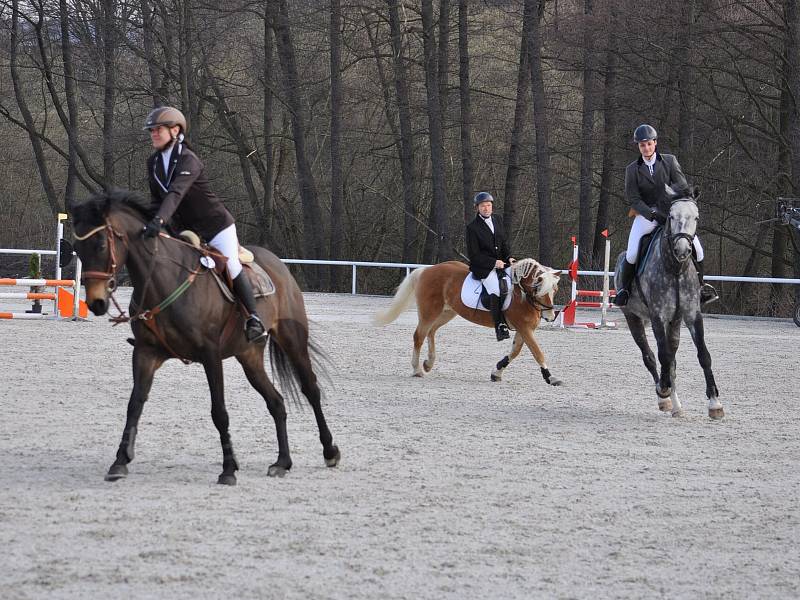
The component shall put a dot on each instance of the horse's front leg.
(533, 346)
(674, 337)
(715, 410)
(219, 414)
(665, 358)
(145, 364)
(516, 348)
(637, 329)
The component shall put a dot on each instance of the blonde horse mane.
(548, 278)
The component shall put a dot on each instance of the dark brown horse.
(437, 291)
(178, 311)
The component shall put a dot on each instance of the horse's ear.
(696, 192)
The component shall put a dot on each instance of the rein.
(110, 276)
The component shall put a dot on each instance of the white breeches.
(227, 243)
(492, 284)
(642, 227)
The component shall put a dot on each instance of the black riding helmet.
(482, 197)
(644, 132)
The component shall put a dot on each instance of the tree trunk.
(337, 206)
(435, 249)
(30, 125)
(269, 126)
(312, 222)
(109, 37)
(609, 135)
(540, 120)
(70, 94)
(405, 144)
(521, 107)
(587, 140)
(467, 169)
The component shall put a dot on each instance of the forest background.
(355, 130)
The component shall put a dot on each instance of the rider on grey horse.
(645, 179)
(489, 254)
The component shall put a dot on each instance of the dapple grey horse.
(667, 291)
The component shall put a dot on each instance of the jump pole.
(567, 316)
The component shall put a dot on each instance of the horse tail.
(286, 374)
(402, 299)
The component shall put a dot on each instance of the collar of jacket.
(641, 158)
(177, 150)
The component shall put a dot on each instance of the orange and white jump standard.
(66, 304)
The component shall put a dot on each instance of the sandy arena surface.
(450, 486)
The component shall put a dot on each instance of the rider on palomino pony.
(488, 252)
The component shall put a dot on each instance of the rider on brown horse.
(489, 254)
(180, 188)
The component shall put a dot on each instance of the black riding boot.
(253, 327)
(707, 291)
(500, 327)
(626, 279)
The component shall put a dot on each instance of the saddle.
(259, 279)
(474, 295)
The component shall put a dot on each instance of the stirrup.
(708, 294)
(254, 330)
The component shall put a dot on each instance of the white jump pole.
(606, 294)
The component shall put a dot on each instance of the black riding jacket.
(484, 248)
(646, 192)
(184, 193)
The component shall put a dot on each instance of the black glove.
(657, 215)
(153, 228)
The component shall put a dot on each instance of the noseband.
(110, 274)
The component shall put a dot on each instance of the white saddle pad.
(471, 293)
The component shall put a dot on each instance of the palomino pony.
(437, 290)
(667, 292)
(178, 311)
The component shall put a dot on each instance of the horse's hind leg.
(715, 410)
(253, 365)
(637, 329)
(145, 364)
(219, 414)
(516, 348)
(443, 319)
(292, 339)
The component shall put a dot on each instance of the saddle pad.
(259, 279)
(471, 293)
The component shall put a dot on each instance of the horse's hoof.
(665, 405)
(494, 377)
(554, 381)
(677, 413)
(663, 392)
(116, 472)
(417, 374)
(427, 365)
(333, 460)
(716, 413)
(276, 471)
(227, 479)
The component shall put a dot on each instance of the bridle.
(530, 295)
(674, 237)
(110, 274)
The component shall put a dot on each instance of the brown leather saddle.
(215, 263)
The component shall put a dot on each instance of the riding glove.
(153, 228)
(657, 215)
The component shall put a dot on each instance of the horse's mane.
(525, 266)
(94, 209)
(682, 191)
